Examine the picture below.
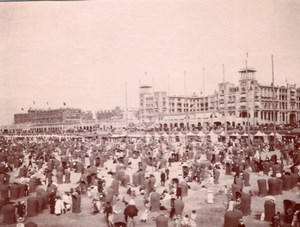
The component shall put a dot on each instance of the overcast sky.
(83, 52)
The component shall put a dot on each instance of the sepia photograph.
(149, 113)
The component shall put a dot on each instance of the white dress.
(144, 215)
(68, 200)
(193, 220)
(210, 198)
(59, 206)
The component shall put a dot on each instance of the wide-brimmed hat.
(20, 219)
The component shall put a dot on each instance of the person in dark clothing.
(172, 211)
(130, 212)
(64, 165)
(108, 211)
(198, 175)
(170, 161)
(89, 180)
(52, 200)
(26, 189)
(20, 208)
(162, 179)
(276, 220)
(167, 173)
(179, 192)
(289, 216)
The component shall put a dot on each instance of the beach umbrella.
(221, 134)
(173, 135)
(165, 135)
(201, 134)
(180, 134)
(245, 134)
(236, 134)
(156, 135)
(259, 134)
(123, 135)
(134, 135)
(148, 135)
(190, 134)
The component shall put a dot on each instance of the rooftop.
(249, 69)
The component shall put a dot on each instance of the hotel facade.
(51, 121)
(248, 102)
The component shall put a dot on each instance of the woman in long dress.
(59, 206)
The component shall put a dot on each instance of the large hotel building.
(51, 121)
(247, 102)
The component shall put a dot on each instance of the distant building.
(105, 115)
(87, 116)
(264, 104)
(51, 116)
(51, 121)
(230, 103)
(153, 106)
(117, 118)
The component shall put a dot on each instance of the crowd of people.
(103, 167)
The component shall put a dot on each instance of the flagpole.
(126, 111)
(185, 119)
(34, 120)
(153, 109)
(247, 103)
(225, 102)
(273, 98)
(140, 119)
(169, 107)
(203, 88)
